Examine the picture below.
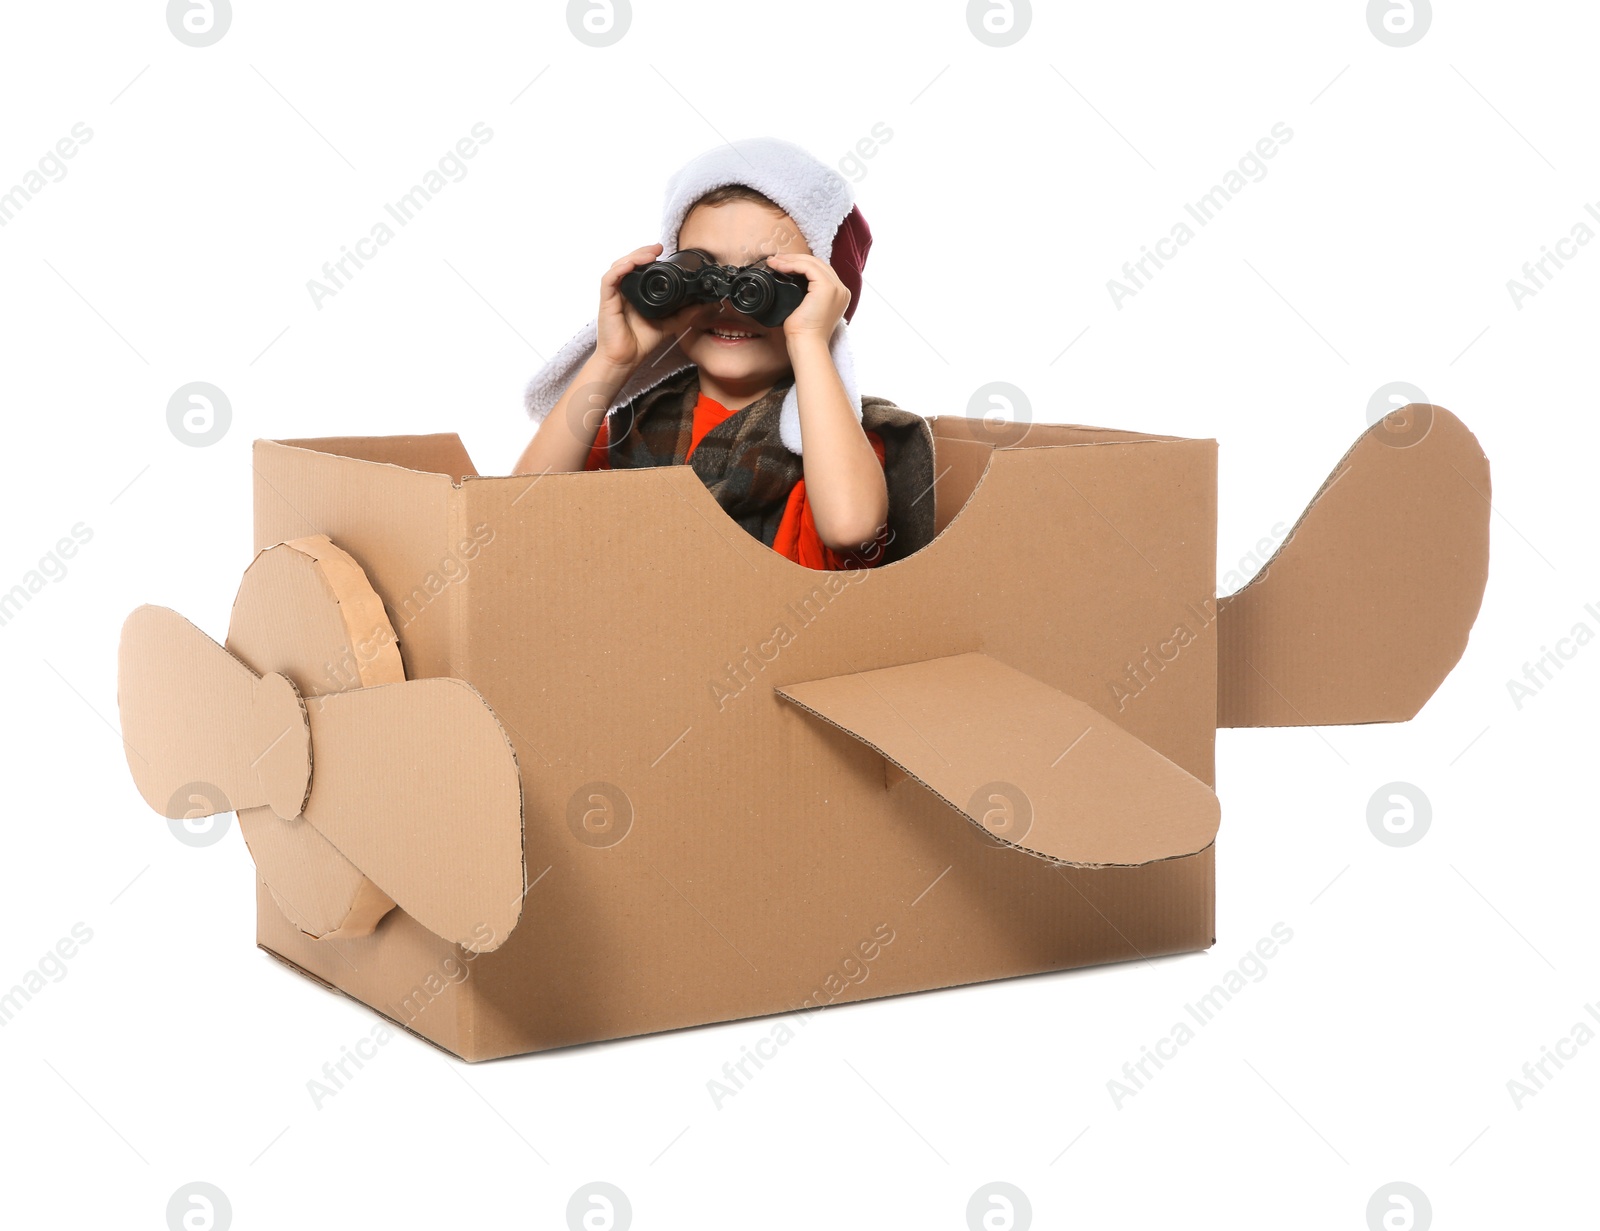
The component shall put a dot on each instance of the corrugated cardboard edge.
(442, 466)
(360, 608)
(343, 589)
(397, 551)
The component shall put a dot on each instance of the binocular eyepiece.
(693, 276)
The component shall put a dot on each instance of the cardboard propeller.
(354, 795)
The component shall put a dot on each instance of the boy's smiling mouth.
(731, 335)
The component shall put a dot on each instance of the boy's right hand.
(626, 337)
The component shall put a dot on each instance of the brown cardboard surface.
(392, 521)
(1036, 768)
(404, 972)
(440, 453)
(396, 767)
(961, 464)
(621, 628)
(1032, 435)
(304, 608)
(202, 732)
(435, 820)
(1366, 606)
(700, 847)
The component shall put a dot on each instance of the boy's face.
(738, 233)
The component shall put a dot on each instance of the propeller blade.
(306, 609)
(417, 785)
(202, 732)
(322, 893)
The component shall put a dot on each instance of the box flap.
(1033, 766)
(1029, 435)
(439, 453)
(1367, 604)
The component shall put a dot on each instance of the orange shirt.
(797, 536)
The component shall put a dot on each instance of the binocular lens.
(752, 294)
(692, 276)
(661, 284)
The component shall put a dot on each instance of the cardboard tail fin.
(1366, 606)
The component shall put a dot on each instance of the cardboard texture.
(750, 787)
(1081, 790)
(369, 819)
(1366, 606)
(253, 739)
(298, 606)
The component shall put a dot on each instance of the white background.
(1017, 181)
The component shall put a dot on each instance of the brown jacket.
(751, 472)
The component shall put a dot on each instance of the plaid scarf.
(751, 472)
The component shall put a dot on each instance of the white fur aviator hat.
(823, 206)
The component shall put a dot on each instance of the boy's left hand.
(826, 297)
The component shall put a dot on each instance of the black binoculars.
(693, 276)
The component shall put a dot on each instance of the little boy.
(769, 418)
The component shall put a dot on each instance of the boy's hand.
(826, 297)
(626, 337)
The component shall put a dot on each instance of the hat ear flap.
(849, 255)
(844, 364)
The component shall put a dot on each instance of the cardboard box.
(625, 769)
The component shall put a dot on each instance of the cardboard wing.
(412, 786)
(1366, 606)
(1037, 768)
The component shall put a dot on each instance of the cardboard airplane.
(527, 761)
